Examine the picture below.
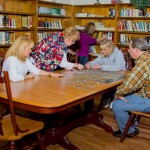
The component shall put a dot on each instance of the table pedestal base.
(58, 135)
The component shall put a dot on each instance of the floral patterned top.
(49, 52)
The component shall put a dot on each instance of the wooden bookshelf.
(16, 9)
(11, 27)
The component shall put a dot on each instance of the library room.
(74, 74)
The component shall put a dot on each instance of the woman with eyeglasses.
(111, 58)
(51, 51)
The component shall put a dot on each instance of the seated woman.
(17, 63)
(111, 58)
(51, 51)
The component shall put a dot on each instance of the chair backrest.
(6, 80)
(2, 55)
(70, 55)
(129, 61)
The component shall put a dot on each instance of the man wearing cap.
(134, 93)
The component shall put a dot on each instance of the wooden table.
(47, 95)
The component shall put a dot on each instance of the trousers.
(135, 103)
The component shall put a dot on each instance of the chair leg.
(40, 140)
(12, 145)
(127, 127)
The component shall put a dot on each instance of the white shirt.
(64, 63)
(18, 69)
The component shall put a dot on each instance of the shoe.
(117, 134)
(107, 102)
(136, 132)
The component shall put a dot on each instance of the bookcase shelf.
(95, 18)
(52, 16)
(20, 10)
(48, 30)
(5, 45)
(135, 18)
(130, 23)
(17, 13)
(108, 14)
(17, 29)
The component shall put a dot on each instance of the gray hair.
(140, 43)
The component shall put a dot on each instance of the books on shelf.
(55, 24)
(112, 12)
(26, 21)
(7, 37)
(42, 35)
(51, 11)
(7, 22)
(109, 35)
(128, 12)
(137, 26)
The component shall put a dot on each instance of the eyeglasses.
(73, 41)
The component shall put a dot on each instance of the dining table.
(50, 95)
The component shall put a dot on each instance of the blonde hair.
(18, 47)
(108, 44)
(72, 33)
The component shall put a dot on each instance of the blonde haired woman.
(17, 63)
(111, 58)
(51, 51)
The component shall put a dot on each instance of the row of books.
(56, 24)
(51, 11)
(6, 37)
(7, 22)
(128, 25)
(88, 15)
(109, 35)
(127, 12)
(42, 35)
(125, 39)
(10, 37)
(112, 12)
(26, 21)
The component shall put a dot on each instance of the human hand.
(121, 98)
(30, 75)
(88, 66)
(56, 75)
(97, 67)
(102, 39)
(80, 67)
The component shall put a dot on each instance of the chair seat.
(23, 123)
(141, 113)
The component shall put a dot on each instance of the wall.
(60, 1)
(79, 2)
(82, 2)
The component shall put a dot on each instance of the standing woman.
(17, 63)
(51, 51)
(85, 42)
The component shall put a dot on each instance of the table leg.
(58, 135)
(97, 119)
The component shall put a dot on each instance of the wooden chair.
(2, 55)
(70, 55)
(135, 115)
(14, 127)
